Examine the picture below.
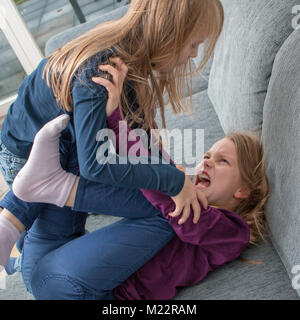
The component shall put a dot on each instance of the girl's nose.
(208, 163)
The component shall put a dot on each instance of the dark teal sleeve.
(90, 117)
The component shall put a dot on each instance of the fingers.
(185, 214)
(186, 200)
(120, 65)
(176, 213)
(195, 180)
(114, 74)
(197, 211)
(105, 83)
(202, 198)
(111, 70)
(118, 70)
(187, 211)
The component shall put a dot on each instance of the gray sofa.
(252, 82)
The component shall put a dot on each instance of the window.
(25, 29)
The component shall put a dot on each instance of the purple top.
(219, 236)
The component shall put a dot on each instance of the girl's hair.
(152, 33)
(252, 169)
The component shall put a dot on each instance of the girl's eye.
(193, 45)
(206, 157)
(224, 160)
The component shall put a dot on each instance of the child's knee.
(48, 285)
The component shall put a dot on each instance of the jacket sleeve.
(107, 167)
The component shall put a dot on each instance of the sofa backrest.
(62, 38)
(243, 60)
(254, 85)
(281, 136)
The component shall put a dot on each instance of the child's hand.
(186, 198)
(114, 88)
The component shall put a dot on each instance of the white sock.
(9, 235)
(42, 178)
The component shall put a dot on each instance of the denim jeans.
(10, 165)
(60, 261)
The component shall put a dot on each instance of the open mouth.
(202, 180)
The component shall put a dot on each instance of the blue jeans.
(60, 261)
(10, 165)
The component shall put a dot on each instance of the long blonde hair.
(151, 33)
(250, 156)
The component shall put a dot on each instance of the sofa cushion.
(281, 136)
(240, 280)
(243, 59)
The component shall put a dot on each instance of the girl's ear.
(242, 193)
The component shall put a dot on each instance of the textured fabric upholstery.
(243, 59)
(62, 38)
(281, 136)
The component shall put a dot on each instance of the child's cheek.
(199, 168)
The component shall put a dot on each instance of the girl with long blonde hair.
(148, 51)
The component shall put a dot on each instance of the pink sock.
(42, 178)
(9, 235)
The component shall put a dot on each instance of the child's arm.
(89, 118)
(216, 227)
(100, 198)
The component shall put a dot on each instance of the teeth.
(204, 178)
(203, 183)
